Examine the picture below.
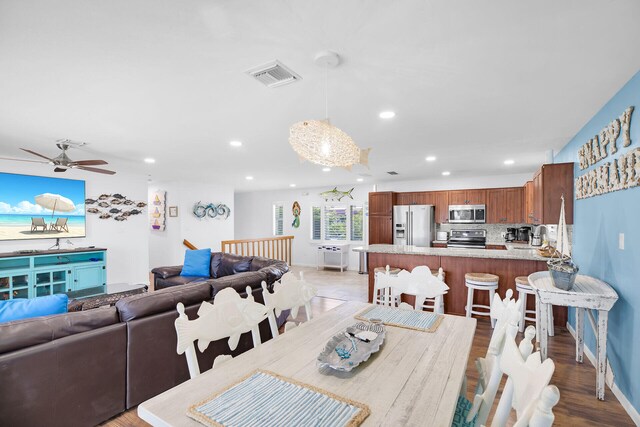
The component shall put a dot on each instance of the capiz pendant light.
(318, 141)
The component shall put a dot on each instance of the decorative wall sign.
(173, 211)
(158, 210)
(296, 209)
(335, 194)
(114, 206)
(220, 211)
(621, 173)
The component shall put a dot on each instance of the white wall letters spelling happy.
(622, 173)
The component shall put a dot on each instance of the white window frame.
(347, 207)
(274, 224)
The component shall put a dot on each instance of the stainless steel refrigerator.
(414, 225)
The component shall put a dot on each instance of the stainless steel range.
(474, 239)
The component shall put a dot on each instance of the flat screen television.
(39, 207)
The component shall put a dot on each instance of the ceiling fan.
(62, 162)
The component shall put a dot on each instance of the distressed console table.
(587, 295)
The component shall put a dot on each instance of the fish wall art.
(335, 194)
(114, 206)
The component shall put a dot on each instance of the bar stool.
(524, 289)
(480, 282)
(381, 293)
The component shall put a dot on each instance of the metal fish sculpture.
(118, 196)
(104, 204)
(335, 194)
(116, 202)
(93, 210)
(104, 196)
(128, 202)
(115, 211)
(120, 218)
(105, 216)
(230, 316)
(134, 212)
(141, 204)
(290, 293)
(90, 201)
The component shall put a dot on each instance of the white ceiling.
(472, 82)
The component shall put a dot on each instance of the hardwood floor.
(578, 405)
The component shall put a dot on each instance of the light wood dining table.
(414, 379)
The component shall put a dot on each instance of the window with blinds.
(278, 219)
(316, 223)
(356, 217)
(335, 222)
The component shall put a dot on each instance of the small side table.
(587, 295)
(340, 249)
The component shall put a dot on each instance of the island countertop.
(516, 252)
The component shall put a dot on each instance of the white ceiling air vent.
(273, 74)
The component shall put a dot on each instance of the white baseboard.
(626, 405)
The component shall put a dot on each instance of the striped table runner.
(266, 398)
(410, 319)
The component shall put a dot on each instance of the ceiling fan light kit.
(62, 162)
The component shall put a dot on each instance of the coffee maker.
(523, 234)
(510, 235)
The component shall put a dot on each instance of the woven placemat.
(410, 319)
(266, 398)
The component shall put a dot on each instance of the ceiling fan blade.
(60, 170)
(88, 163)
(108, 172)
(23, 160)
(36, 154)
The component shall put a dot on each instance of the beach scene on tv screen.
(38, 207)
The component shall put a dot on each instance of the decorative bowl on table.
(345, 350)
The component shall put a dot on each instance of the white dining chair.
(290, 293)
(421, 284)
(527, 389)
(500, 312)
(228, 317)
(507, 314)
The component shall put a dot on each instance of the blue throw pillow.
(16, 309)
(196, 263)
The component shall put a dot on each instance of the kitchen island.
(516, 260)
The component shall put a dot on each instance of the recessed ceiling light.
(431, 158)
(360, 179)
(446, 173)
(149, 160)
(326, 169)
(292, 185)
(248, 178)
(509, 162)
(387, 115)
(235, 143)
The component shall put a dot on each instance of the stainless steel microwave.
(467, 214)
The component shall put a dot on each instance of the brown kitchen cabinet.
(550, 182)
(440, 199)
(380, 230)
(381, 203)
(415, 198)
(505, 205)
(528, 202)
(468, 197)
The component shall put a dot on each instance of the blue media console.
(76, 272)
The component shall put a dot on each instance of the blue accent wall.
(597, 222)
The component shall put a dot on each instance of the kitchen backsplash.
(494, 231)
